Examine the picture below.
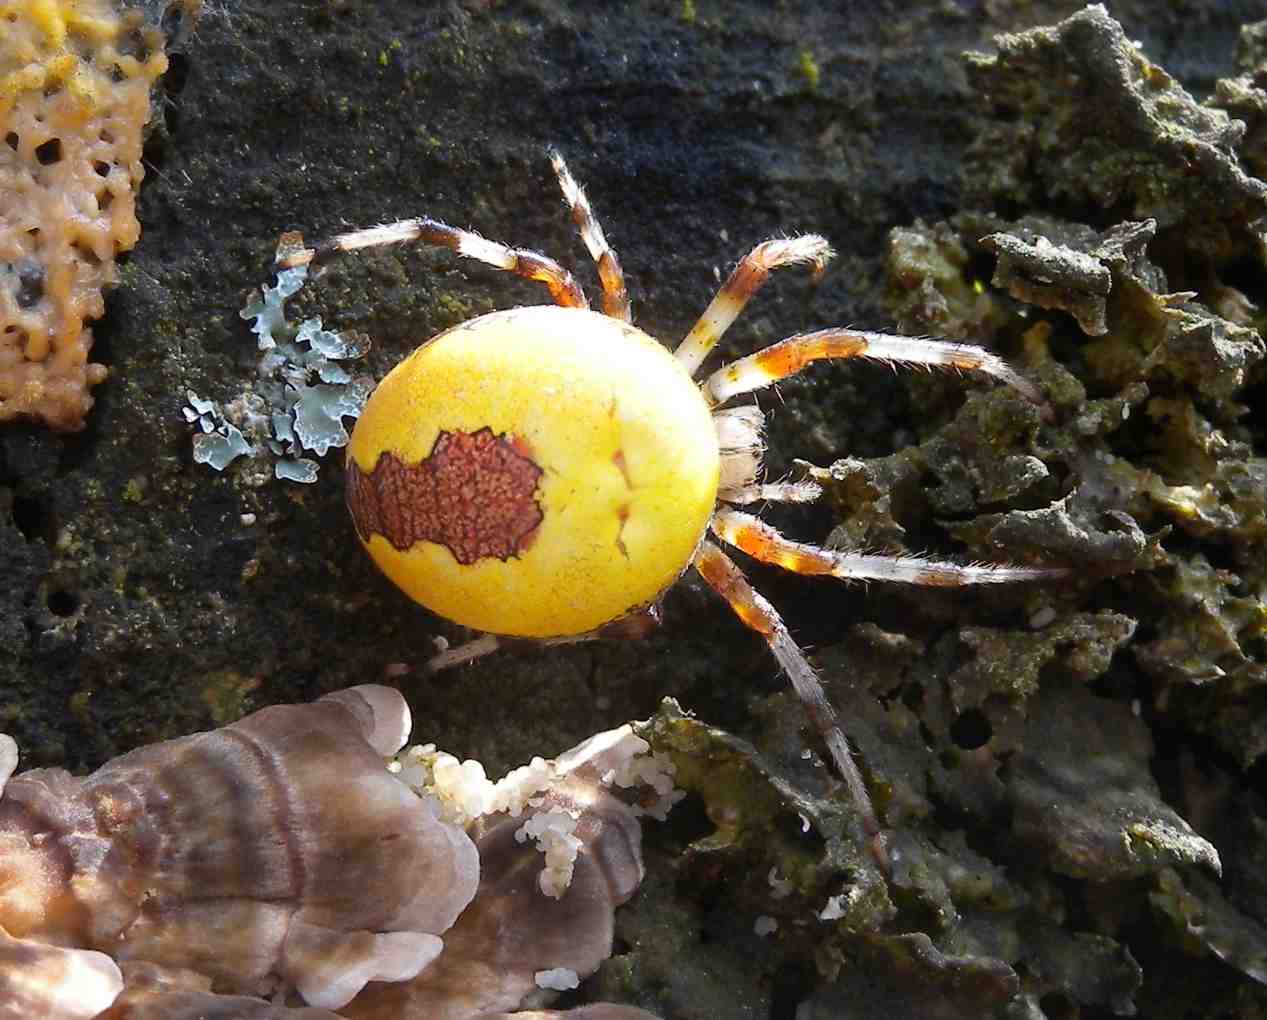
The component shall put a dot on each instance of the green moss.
(227, 695)
(757, 802)
(807, 66)
(79, 705)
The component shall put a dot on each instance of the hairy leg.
(787, 357)
(615, 295)
(744, 282)
(764, 543)
(725, 578)
(530, 265)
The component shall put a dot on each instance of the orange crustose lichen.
(75, 80)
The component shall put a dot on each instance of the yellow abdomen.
(537, 472)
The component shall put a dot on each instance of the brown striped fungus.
(277, 869)
(549, 472)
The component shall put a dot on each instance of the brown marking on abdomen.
(622, 515)
(618, 458)
(475, 494)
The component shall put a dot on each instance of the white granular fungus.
(552, 831)
(514, 790)
(623, 760)
(460, 791)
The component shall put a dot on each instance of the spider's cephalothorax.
(548, 472)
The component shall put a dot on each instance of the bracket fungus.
(514, 933)
(275, 851)
(277, 869)
(598, 1011)
(49, 981)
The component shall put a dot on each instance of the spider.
(548, 472)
